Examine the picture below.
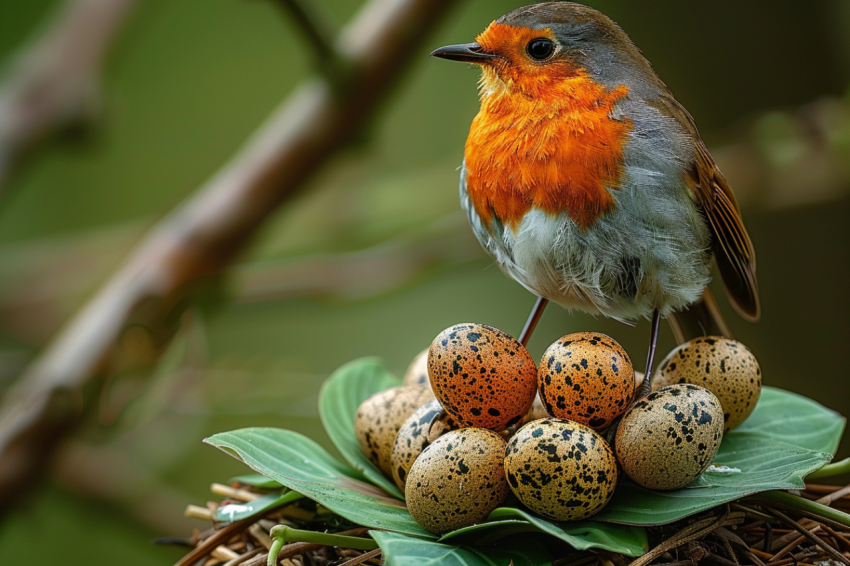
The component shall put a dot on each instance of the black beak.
(467, 52)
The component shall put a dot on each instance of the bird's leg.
(646, 385)
(533, 319)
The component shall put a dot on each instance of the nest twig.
(247, 542)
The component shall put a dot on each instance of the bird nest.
(749, 532)
(307, 507)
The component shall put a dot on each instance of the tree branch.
(54, 82)
(315, 25)
(202, 236)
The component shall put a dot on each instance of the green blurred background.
(185, 85)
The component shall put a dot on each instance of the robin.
(590, 184)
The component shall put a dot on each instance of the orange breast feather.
(550, 144)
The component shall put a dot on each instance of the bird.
(589, 183)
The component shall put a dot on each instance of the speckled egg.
(668, 439)
(380, 417)
(562, 470)
(417, 371)
(725, 367)
(458, 480)
(482, 376)
(423, 427)
(586, 377)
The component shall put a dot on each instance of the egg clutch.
(477, 419)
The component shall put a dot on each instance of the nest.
(744, 533)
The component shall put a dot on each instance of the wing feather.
(734, 251)
(733, 248)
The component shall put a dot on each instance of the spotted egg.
(586, 377)
(482, 376)
(668, 439)
(725, 367)
(423, 427)
(417, 371)
(458, 480)
(561, 470)
(380, 417)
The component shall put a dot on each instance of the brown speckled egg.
(423, 427)
(586, 377)
(562, 470)
(417, 371)
(668, 439)
(725, 367)
(380, 417)
(482, 376)
(458, 480)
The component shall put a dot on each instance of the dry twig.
(261, 536)
(836, 495)
(243, 557)
(198, 512)
(809, 534)
(362, 558)
(212, 542)
(201, 237)
(787, 549)
(695, 531)
(234, 493)
(840, 539)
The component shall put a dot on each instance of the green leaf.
(786, 438)
(400, 550)
(339, 399)
(793, 419)
(303, 466)
(256, 480)
(238, 511)
(581, 535)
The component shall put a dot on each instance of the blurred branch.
(315, 24)
(42, 282)
(53, 83)
(202, 237)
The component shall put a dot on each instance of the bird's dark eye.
(540, 48)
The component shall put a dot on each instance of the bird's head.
(532, 50)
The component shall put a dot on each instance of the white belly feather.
(624, 266)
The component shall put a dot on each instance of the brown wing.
(733, 249)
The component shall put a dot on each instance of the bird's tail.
(702, 318)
